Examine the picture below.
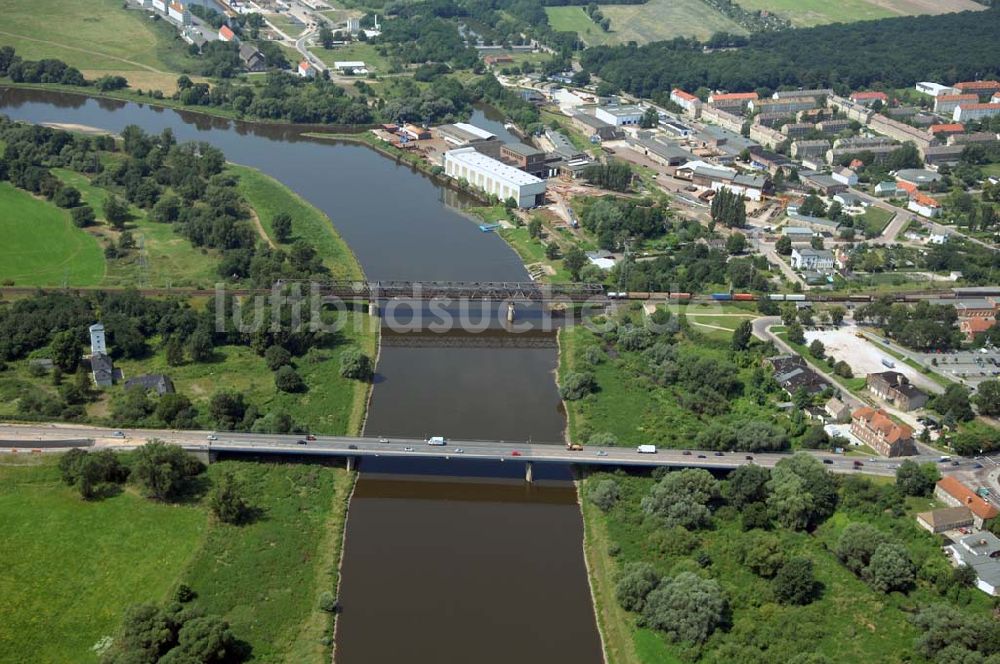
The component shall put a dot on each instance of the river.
(485, 570)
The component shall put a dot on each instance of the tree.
(988, 397)
(736, 243)
(816, 438)
(604, 494)
(763, 554)
(576, 385)
(146, 634)
(115, 212)
(802, 493)
(784, 245)
(356, 365)
(890, 568)
(326, 37)
(837, 314)
(287, 379)
(535, 228)
(954, 403)
(162, 471)
(816, 242)
(796, 334)
(67, 197)
(227, 500)
(795, 582)
(552, 251)
(681, 498)
(742, 335)
(650, 118)
(227, 409)
(282, 227)
(175, 351)
(637, 580)
(93, 473)
(66, 351)
(200, 346)
(857, 545)
(813, 206)
(729, 209)
(276, 357)
(687, 608)
(83, 216)
(746, 485)
(914, 479)
(817, 349)
(166, 210)
(573, 261)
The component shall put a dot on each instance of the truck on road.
(646, 449)
(574, 447)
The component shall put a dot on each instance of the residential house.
(943, 154)
(102, 369)
(812, 148)
(944, 130)
(772, 162)
(306, 69)
(784, 94)
(966, 112)
(869, 98)
(837, 410)
(833, 126)
(723, 118)
(797, 129)
(900, 131)
(981, 552)
(252, 58)
(889, 189)
(798, 233)
(787, 105)
(946, 518)
(159, 383)
(924, 205)
(686, 100)
(179, 13)
(846, 176)
(877, 430)
(850, 200)
(983, 137)
(807, 258)
(226, 34)
(946, 104)
(732, 101)
(769, 138)
(895, 388)
(951, 491)
(98, 342)
(978, 88)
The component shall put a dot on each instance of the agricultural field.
(805, 13)
(665, 19)
(98, 37)
(41, 245)
(264, 578)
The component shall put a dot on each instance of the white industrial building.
(494, 177)
(935, 89)
(620, 116)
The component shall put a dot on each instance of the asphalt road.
(419, 449)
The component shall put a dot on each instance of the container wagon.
(743, 296)
(722, 296)
(795, 297)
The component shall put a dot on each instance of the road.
(22, 437)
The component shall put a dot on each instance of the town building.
(889, 189)
(98, 342)
(160, 6)
(159, 383)
(676, 128)
(944, 519)
(918, 177)
(869, 98)
(798, 233)
(796, 129)
(596, 128)
(785, 94)
(845, 175)
(895, 388)
(823, 183)
(876, 430)
(981, 552)
(944, 130)
(620, 116)
(837, 410)
(978, 88)
(252, 58)
(975, 307)
(306, 69)
(850, 200)
(731, 101)
(771, 162)
(833, 126)
(951, 491)
(812, 148)
(981, 137)
(769, 138)
(807, 258)
(924, 205)
(935, 89)
(666, 154)
(943, 154)
(562, 146)
(752, 187)
(787, 105)
(463, 134)
(686, 100)
(528, 159)
(970, 327)
(179, 13)
(966, 112)
(946, 104)
(723, 118)
(771, 119)
(494, 177)
(793, 374)
(414, 132)
(900, 130)
(226, 34)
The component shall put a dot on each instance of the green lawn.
(815, 12)
(848, 623)
(97, 36)
(876, 219)
(572, 18)
(164, 257)
(268, 197)
(286, 24)
(71, 567)
(41, 245)
(363, 51)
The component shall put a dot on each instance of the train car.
(859, 298)
(744, 296)
(614, 295)
(795, 297)
(777, 297)
(975, 291)
(680, 296)
(722, 296)
(638, 295)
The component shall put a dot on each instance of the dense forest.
(895, 52)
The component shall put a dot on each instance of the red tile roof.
(878, 420)
(950, 128)
(967, 497)
(734, 95)
(958, 97)
(924, 199)
(869, 95)
(977, 85)
(977, 324)
(687, 96)
(966, 107)
(226, 34)
(908, 187)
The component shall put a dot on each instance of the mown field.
(849, 622)
(41, 245)
(97, 37)
(803, 13)
(653, 21)
(71, 567)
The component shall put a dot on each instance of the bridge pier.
(510, 312)
(351, 463)
(529, 473)
(207, 457)
(373, 308)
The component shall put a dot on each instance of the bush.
(795, 582)
(227, 500)
(355, 364)
(577, 385)
(687, 608)
(637, 580)
(162, 471)
(287, 379)
(184, 593)
(83, 216)
(603, 439)
(604, 494)
(328, 602)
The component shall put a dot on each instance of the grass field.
(41, 245)
(665, 19)
(876, 219)
(71, 567)
(98, 37)
(804, 13)
(269, 197)
(848, 623)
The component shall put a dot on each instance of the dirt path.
(84, 50)
(260, 230)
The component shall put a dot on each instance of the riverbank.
(265, 578)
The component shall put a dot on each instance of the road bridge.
(353, 449)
